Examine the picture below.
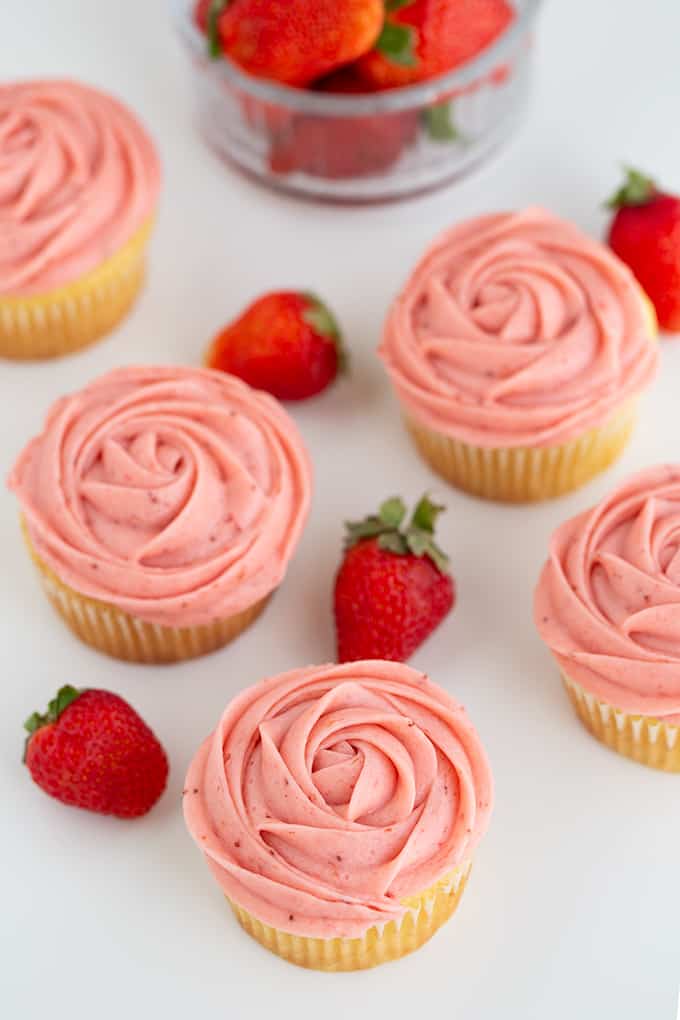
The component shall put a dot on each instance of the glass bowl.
(362, 148)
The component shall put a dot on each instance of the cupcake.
(338, 808)
(79, 181)
(161, 506)
(608, 607)
(518, 350)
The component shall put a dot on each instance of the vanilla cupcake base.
(525, 474)
(122, 636)
(425, 914)
(646, 740)
(68, 318)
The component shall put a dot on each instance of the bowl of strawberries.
(358, 100)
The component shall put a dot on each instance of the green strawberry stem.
(65, 697)
(417, 539)
(216, 8)
(439, 124)
(321, 319)
(397, 43)
(425, 515)
(637, 189)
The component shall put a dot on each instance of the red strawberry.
(93, 751)
(291, 41)
(392, 588)
(645, 233)
(285, 343)
(423, 38)
(339, 147)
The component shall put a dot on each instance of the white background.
(574, 902)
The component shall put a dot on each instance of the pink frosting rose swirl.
(608, 600)
(328, 794)
(176, 494)
(516, 329)
(78, 177)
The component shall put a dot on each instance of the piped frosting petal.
(327, 795)
(516, 329)
(608, 600)
(177, 494)
(79, 175)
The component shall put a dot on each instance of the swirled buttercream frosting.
(329, 794)
(176, 494)
(516, 329)
(79, 176)
(608, 600)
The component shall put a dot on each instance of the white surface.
(574, 901)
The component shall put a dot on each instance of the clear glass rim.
(304, 101)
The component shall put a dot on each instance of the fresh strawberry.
(645, 233)
(93, 751)
(392, 588)
(290, 41)
(286, 343)
(423, 38)
(339, 147)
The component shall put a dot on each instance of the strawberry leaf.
(212, 31)
(417, 539)
(396, 5)
(438, 121)
(357, 531)
(34, 722)
(394, 542)
(397, 44)
(637, 189)
(392, 512)
(65, 696)
(321, 319)
(420, 543)
(425, 515)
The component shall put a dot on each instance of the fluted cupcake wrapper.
(122, 636)
(525, 474)
(646, 740)
(425, 914)
(70, 317)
